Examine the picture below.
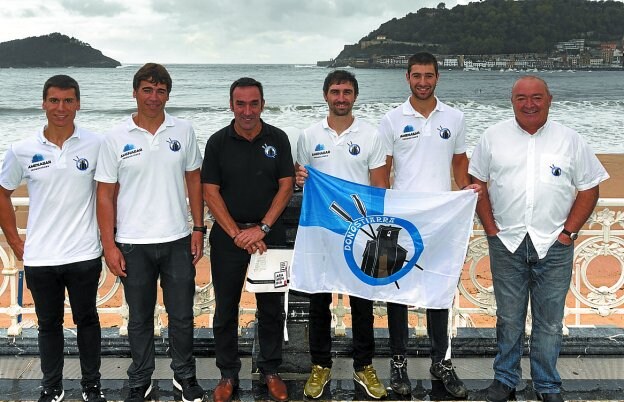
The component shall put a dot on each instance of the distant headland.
(53, 50)
(498, 34)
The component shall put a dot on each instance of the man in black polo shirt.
(247, 178)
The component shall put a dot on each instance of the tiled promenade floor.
(584, 378)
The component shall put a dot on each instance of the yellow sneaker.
(368, 380)
(319, 377)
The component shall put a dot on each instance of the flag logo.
(383, 259)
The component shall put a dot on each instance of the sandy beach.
(604, 271)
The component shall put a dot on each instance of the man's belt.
(246, 225)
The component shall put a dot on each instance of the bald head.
(531, 101)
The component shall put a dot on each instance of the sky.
(208, 31)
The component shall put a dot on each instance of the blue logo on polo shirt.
(129, 151)
(556, 171)
(320, 151)
(174, 145)
(409, 132)
(354, 149)
(81, 163)
(38, 162)
(269, 151)
(445, 133)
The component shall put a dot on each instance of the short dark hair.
(422, 58)
(338, 77)
(246, 82)
(153, 73)
(63, 82)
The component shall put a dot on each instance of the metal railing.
(598, 256)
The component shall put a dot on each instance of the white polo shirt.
(533, 179)
(422, 148)
(62, 226)
(150, 169)
(348, 156)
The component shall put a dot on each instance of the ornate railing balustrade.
(596, 296)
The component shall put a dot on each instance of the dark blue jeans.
(47, 285)
(173, 263)
(517, 277)
(319, 331)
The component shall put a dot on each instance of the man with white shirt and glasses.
(542, 186)
(62, 248)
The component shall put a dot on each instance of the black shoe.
(139, 394)
(499, 392)
(554, 397)
(191, 390)
(444, 371)
(52, 395)
(93, 393)
(399, 381)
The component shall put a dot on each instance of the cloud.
(91, 8)
(208, 31)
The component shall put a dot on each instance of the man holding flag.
(349, 148)
(424, 138)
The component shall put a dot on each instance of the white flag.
(380, 244)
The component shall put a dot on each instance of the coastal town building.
(572, 54)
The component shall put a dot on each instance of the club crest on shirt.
(39, 162)
(409, 133)
(82, 164)
(174, 145)
(320, 151)
(269, 151)
(555, 170)
(445, 133)
(354, 149)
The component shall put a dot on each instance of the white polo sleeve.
(377, 158)
(193, 156)
(460, 141)
(386, 134)
(303, 151)
(107, 170)
(12, 172)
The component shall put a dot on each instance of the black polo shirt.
(248, 172)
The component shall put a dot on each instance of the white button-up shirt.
(533, 179)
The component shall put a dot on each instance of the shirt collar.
(354, 127)
(168, 122)
(539, 130)
(409, 110)
(42, 139)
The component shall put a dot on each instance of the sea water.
(591, 102)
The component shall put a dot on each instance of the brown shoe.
(277, 389)
(224, 390)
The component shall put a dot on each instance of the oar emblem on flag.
(383, 259)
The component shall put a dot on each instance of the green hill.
(494, 27)
(53, 50)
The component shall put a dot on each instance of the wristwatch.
(203, 229)
(265, 228)
(572, 236)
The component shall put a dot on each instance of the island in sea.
(53, 50)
